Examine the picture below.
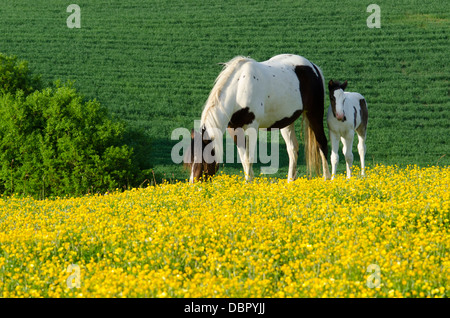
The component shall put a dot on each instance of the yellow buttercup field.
(385, 235)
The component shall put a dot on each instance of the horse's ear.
(330, 83)
(344, 85)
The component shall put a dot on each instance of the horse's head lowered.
(200, 158)
(336, 91)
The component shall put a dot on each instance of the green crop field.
(153, 63)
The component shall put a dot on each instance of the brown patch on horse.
(312, 93)
(209, 169)
(205, 171)
(286, 121)
(364, 117)
(238, 120)
(201, 171)
(241, 118)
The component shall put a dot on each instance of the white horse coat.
(347, 113)
(270, 94)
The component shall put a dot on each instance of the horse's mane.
(220, 82)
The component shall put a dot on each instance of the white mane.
(220, 82)
(214, 115)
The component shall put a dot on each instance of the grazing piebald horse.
(347, 113)
(270, 94)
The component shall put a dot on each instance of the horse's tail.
(312, 156)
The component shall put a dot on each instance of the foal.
(346, 114)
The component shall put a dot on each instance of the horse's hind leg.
(316, 124)
(289, 137)
(361, 131)
(362, 151)
(313, 92)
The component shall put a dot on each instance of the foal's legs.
(289, 137)
(334, 138)
(347, 143)
(362, 151)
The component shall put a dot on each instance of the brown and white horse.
(347, 113)
(272, 94)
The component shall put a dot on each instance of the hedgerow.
(53, 142)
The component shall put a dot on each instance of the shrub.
(15, 75)
(53, 143)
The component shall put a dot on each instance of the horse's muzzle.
(341, 117)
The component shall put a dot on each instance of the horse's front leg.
(246, 146)
(334, 138)
(347, 143)
(251, 133)
(242, 152)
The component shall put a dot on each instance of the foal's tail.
(312, 155)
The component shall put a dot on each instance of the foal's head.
(201, 164)
(336, 91)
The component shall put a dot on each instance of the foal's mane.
(220, 82)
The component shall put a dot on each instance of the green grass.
(153, 63)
